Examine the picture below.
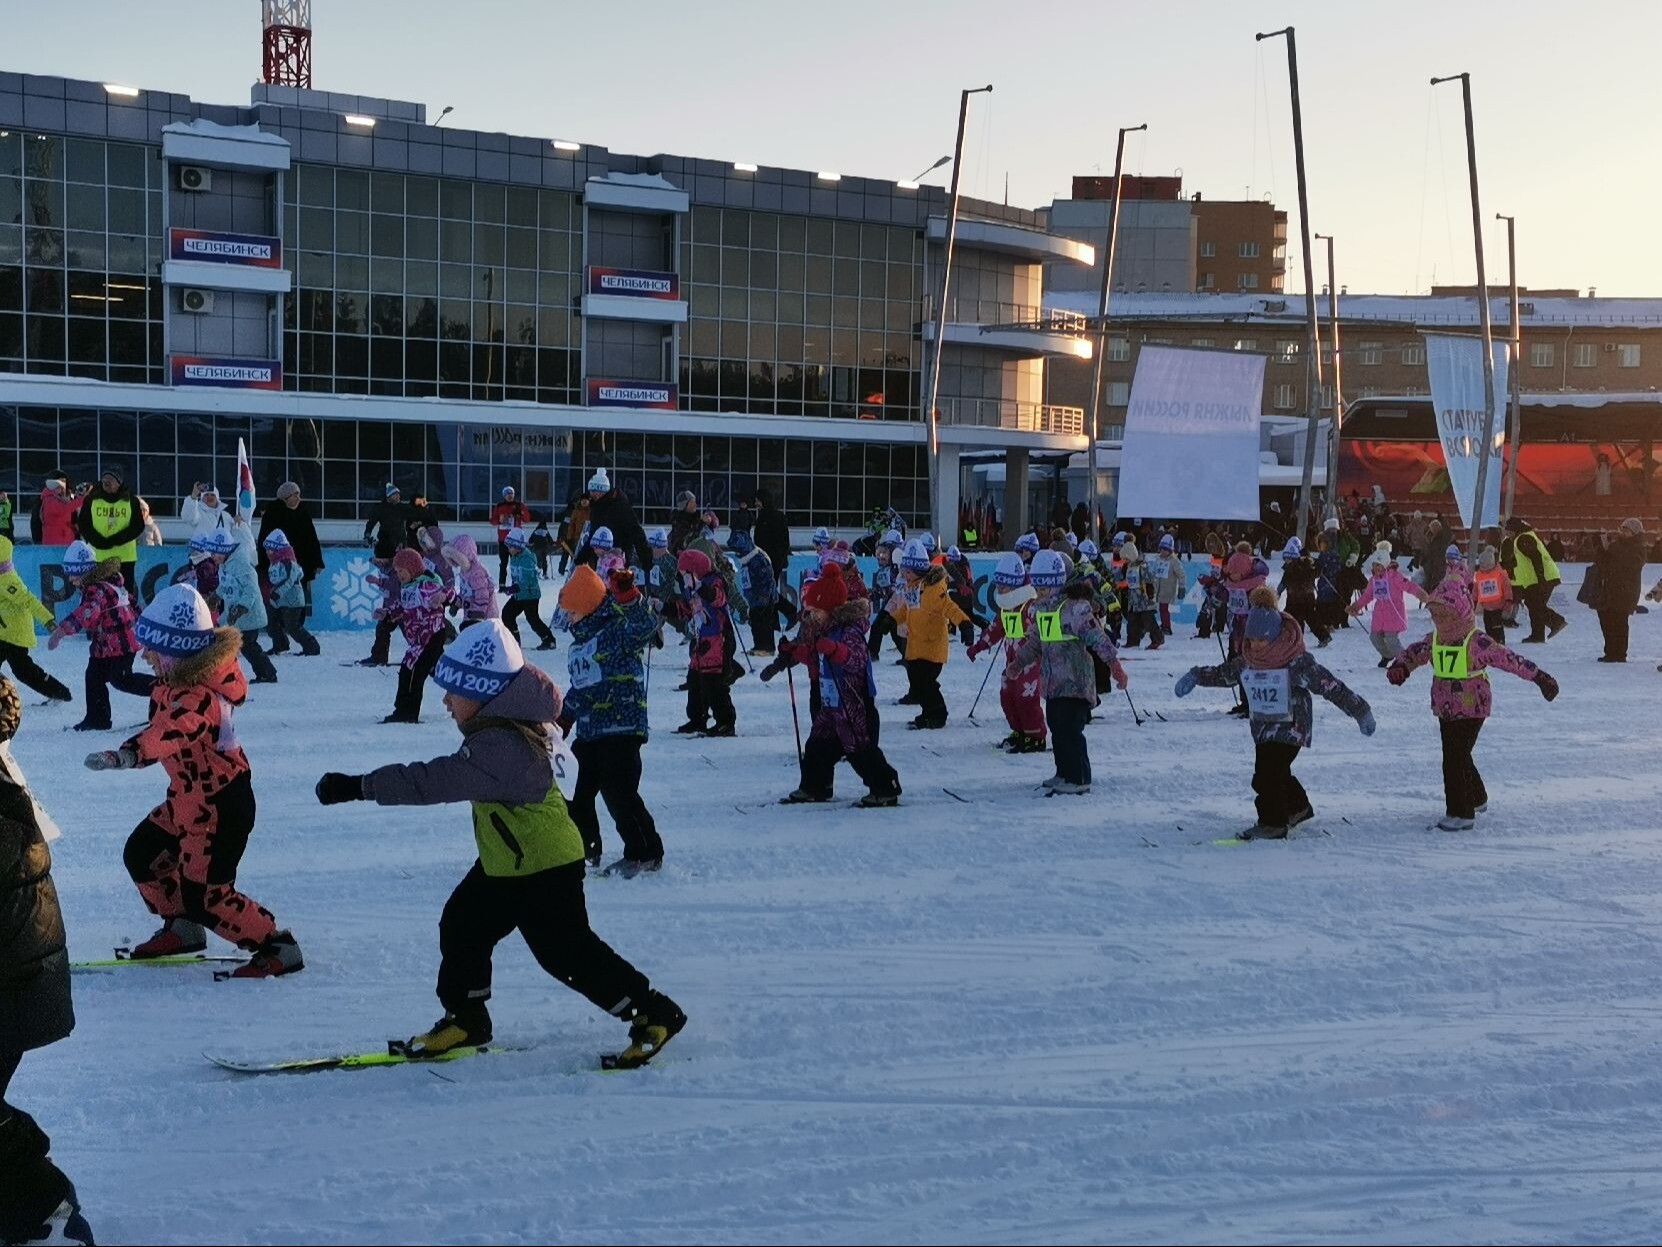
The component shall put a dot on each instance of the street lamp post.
(1099, 362)
(1516, 369)
(1338, 391)
(931, 415)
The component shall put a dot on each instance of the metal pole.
(1338, 390)
(1514, 373)
(929, 413)
(1313, 373)
(1485, 329)
(1100, 361)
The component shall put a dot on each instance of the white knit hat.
(1049, 570)
(1011, 572)
(79, 559)
(276, 539)
(658, 539)
(915, 558)
(516, 539)
(177, 622)
(600, 483)
(602, 539)
(481, 662)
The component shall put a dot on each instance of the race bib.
(1161, 568)
(1381, 590)
(828, 692)
(1050, 627)
(1453, 662)
(581, 667)
(1238, 602)
(410, 596)
(1488, 588)
(655, 578)
(1015, 624)
(1268, 693)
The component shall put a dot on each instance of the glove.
(1185, 684)
(1367, 723)
(768, 672)
(1547, 685)
(120, 759)
(1396, 675)
(826, 646)
(335, 788)
(54, 640)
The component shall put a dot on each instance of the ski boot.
(1027, 744)
(689, 728)
(549, 643)
(1263, 831)
(720, 730)
(650, 1028)
(803, 797)
(629, 867)
(1067, 788)
(1300, 816)
(878, 801)
(1450, 823)
(923, 723)
(469, 1029)
(177, 937)
(278, 955)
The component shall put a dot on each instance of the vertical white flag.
(1191, 435)
(245, 485)
(1455, 363)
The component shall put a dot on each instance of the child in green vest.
(529, 875)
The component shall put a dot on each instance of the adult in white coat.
(204, 511)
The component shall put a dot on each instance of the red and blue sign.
(231, 374)
(634, 283)
(212, 247)
(660, 395)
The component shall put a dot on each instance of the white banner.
(1456, 367)
(1191, 435)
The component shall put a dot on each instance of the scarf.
(1279, 652)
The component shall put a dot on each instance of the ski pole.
(1136, 718)
(985, 678)
(790, 683)
(739, 637)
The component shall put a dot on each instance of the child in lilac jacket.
(1461, 656)
(1384, 592)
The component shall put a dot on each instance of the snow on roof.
(205, 129)
(1427, 310)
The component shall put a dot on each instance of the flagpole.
(1515, 372)
(1485, 329)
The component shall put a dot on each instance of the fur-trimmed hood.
(936, 575)
(855, 611)
(202, 667)
(107, 569)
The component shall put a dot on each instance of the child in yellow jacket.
(19, 609)
(925, 608)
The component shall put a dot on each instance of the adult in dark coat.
(608, 508)
(385, 529)
(290, 514)
(1433, 555)
(35, 1007)
(687, 524)
(772, 533)
(1621, 567)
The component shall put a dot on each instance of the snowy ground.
(1016, 1020)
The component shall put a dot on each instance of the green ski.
(351, 1060)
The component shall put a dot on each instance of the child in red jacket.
(703, 604)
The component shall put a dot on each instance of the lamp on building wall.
(448, 109)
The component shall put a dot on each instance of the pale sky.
(1567, 99)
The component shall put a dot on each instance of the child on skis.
(1140, 619)
(846, 723)
(962, 591)
(702, 604)
(184, 855)
(883, 582)
(607, 699)
(1279, 677)
(1384, 594)
(1298, 581)
(1065, 635)
(529, 874)
(105, 613)
(1492, 588)
(760, 591)
(475, 586)
(239, 591)
(287, 613)
(1018, 690)
(810, 624)
(662, 584)
(527, 588)
(1171, 580)
(419, 614)
(19, 611)
(542, 545)
(924, 608)
(1460, 658)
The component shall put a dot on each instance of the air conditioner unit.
(1609, 348)
(195, 178)
(196, 302)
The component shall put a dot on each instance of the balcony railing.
(1000, 413)
(989, 312)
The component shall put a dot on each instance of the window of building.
(1119, 393)
(1370, 391)
(1370, 353)
(1284, 397)
(1246, 344)
(1247, 251)
(1247, 281)
(1585, 355)
(1413, 353)
(1540, 354)
(1208, 281)
(1627, 355)
(1119, 350)
(1208, 250)
(1203, 342)
(1286, 351)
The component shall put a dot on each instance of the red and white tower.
(287, 43)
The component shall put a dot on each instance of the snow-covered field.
(1013, 1020)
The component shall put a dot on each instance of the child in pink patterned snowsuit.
(105, 613)
(1461, 656)
(475, 588)
(1020, 688)
(419, 614)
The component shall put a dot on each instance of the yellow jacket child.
(19, 609)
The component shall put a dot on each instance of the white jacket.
(203, 518)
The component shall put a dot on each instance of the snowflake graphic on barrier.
(353, 596)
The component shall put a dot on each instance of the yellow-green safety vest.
(1525, 576)
(111, 515)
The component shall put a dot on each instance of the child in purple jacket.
(1461, 656)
